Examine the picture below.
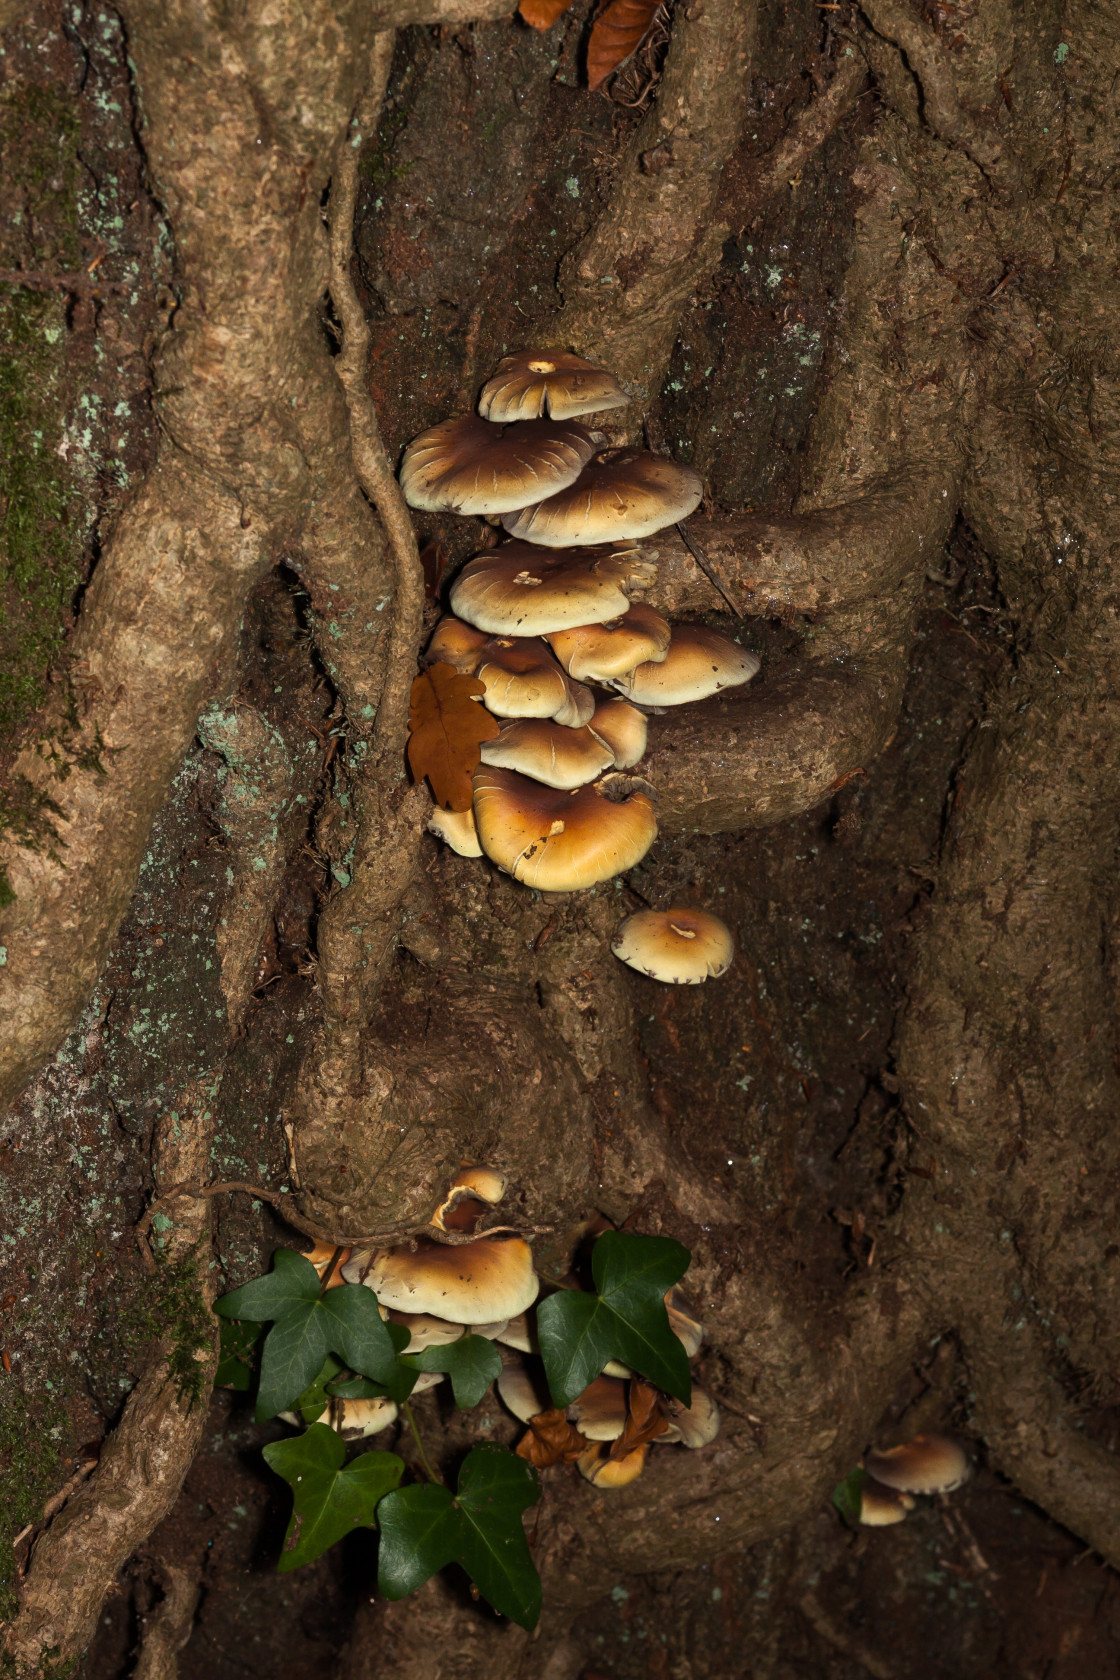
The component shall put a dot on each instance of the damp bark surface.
(856, 266)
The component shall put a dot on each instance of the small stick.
(707, 568)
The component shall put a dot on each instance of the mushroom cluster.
(926, 1464)
(482, 1281)
(548, 618)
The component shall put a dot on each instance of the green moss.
(169, 1306)
(29, 1473)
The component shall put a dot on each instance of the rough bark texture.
(879, 312)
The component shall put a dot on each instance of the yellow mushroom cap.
(600, 652)
(523, 590)
(603, 1472)
(457, 644)
(554, 382)
(680, 947)
(699, 662)
(456, 829)
(927, 1464)
(688, 1330)
(549, 752)
(471, 466)
(880, 1507)
(518, 673)
(599, 1412)
(466, 1283)
(354, 1420)
(620, 493)
(562, 841)
(623, 727)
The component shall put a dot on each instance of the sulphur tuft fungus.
(681, 947)
(478, 1282)
(561, 841)
(532, 383)
(881, 1507)
(699, 662)
(602, 1471)
(522, 590)
(473, 467)
(620, 493)
(926, 1464)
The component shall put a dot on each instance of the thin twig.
(707, 568)
(371, 464)
(307, 1227)
(432, 1475)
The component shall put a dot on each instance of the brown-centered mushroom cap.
(561, 842)
(681, 947)
(600, 652)
(355, 1420)
(927, 1464)
(471, 466)
(469, 1283)
(599, 1412)
(604, 1472)
(880, 1507)
(456, 829)
(550, 753)
(554, 382)
(620, 493)
(623, 727)
(699, 662)
(522, 590)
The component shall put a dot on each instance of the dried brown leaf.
(446, 729)
(550, 1439)
(617, 32)
(645, 1418)
(542, 14)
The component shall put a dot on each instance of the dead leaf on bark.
(617, 32)
(645, 1418)
(550, 1439)
(446, 729)
(542, 14)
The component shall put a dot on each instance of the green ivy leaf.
(626, 1319)
(314, 1400)
(472, 1363)
(424, 1528)
(239, 1352)
(847, 1497)
(329, 1498)
(306, 1326)
(357, 1388)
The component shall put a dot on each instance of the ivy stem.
(432, 1475)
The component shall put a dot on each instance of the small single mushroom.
(601, 652)
(471, 466)
(599, 1412)
(696, 1425)
(472, 1192)
(562, 842)
(623, 727)
(699, 662)
(549, 752)
(523, 590)
(456, 829)
(468, 1283)
(553, 382)
(354, 1420)
(457, 644)
(620, 493)
(681, 947)
(602, 1471)
(879, 1507)
(523, 1388)
(927, 1464)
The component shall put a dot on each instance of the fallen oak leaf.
(447, 727)
(550, 1439)
(645, 1418)
(542, 14)
(616, 35)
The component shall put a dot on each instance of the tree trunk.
(856, 264)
